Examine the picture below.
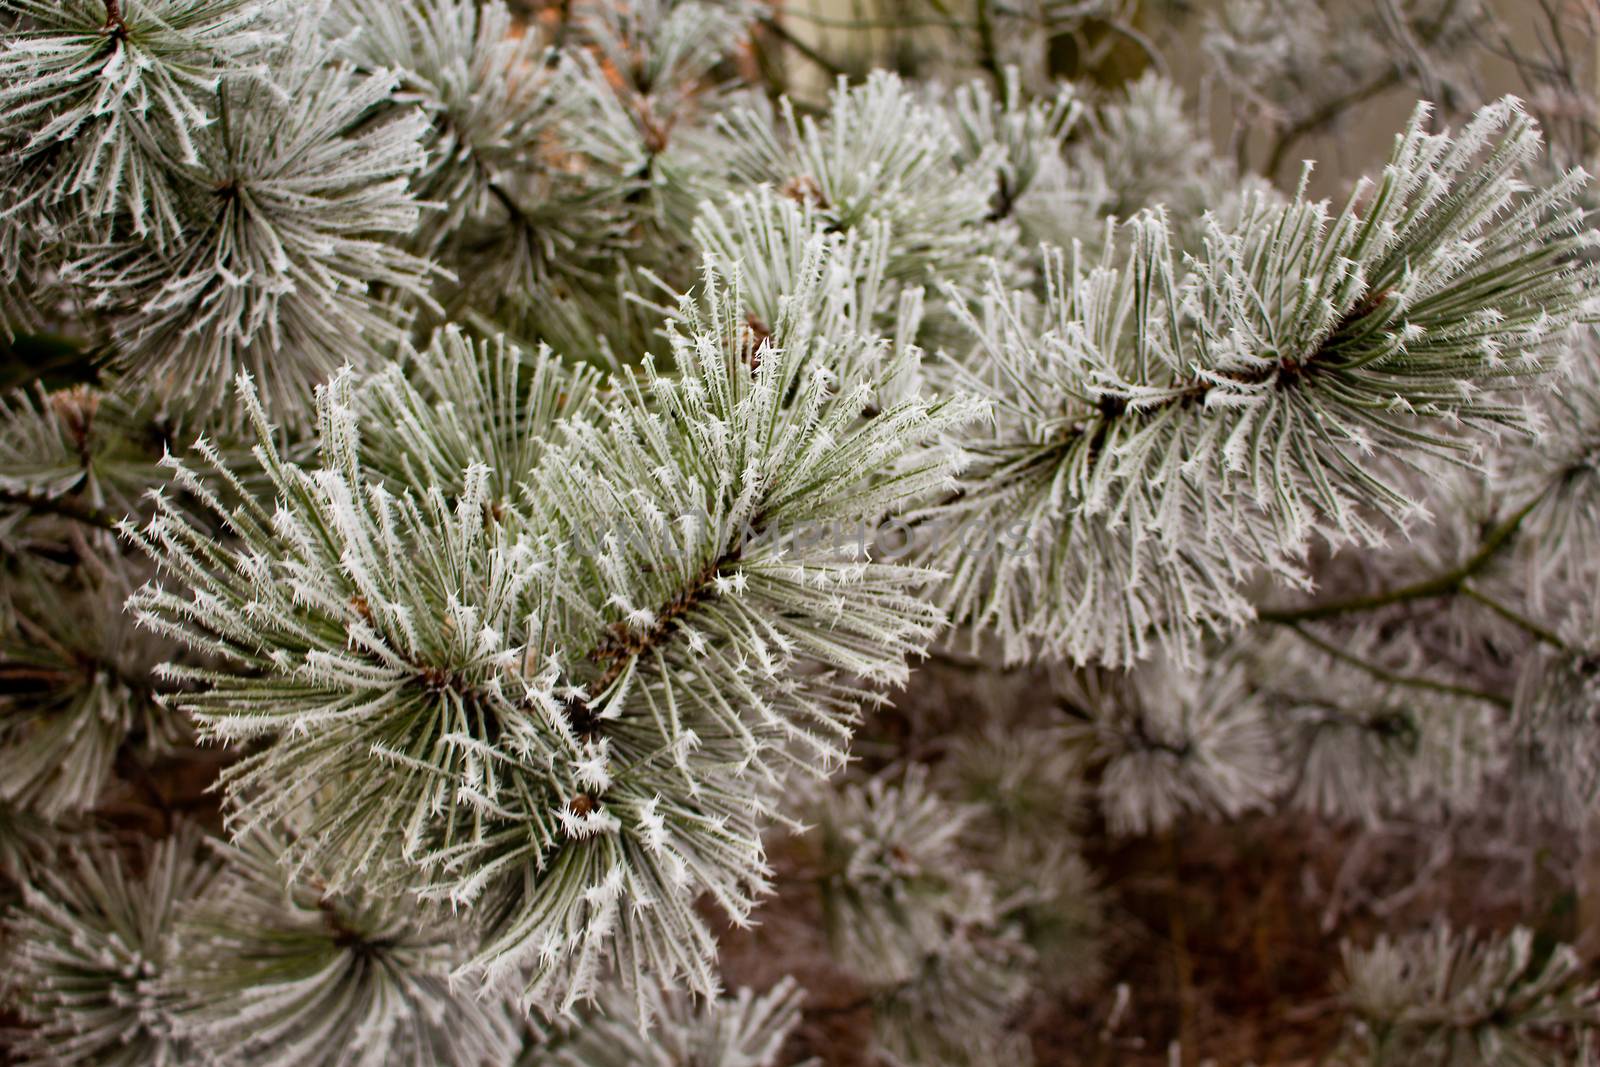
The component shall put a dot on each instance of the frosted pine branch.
(565, 704)
(90, 950)
(1167, 430)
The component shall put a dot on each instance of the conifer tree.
(496, 500)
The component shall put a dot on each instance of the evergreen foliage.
(492, 493)
(293, 973)
(91, 949)
(522, 717)
(1442, 997)
(743, 1030)
(920, 929)
(1162, 434)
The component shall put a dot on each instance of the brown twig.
(1440, 585)
(781, 32)
(1383, 674)
(66, 507)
